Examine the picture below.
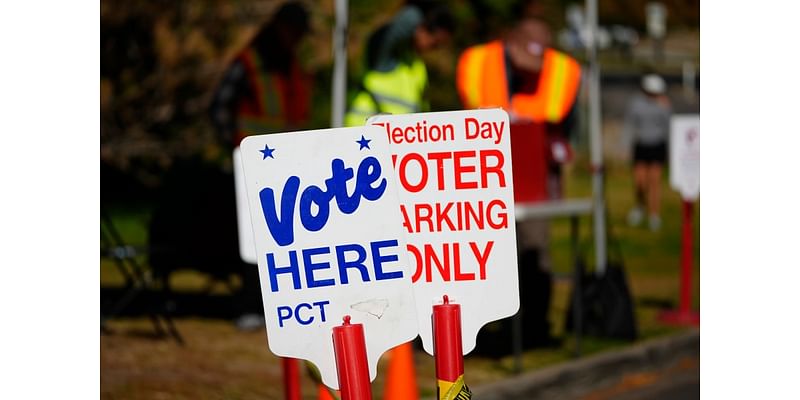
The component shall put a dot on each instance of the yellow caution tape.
(453, 390)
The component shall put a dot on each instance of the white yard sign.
(685, 155)
(454, 175)
(247, 246)
(328, 234)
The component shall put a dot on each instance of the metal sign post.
(657, 27)
(338, 95)
(596, 140)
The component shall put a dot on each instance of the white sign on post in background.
(328, 234)
(684, 155)
(457, 202)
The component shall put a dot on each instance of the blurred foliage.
(161, 61)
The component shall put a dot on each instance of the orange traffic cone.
(401, 378)
(323, 392)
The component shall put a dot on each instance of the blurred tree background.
(161, 60)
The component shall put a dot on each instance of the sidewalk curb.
(574, 377)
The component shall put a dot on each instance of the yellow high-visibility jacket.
(399, 91)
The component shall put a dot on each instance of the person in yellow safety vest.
(396, 78)
(538, 86)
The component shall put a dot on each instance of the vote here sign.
(454, 174)
(329, 241)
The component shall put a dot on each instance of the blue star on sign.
(364, 143)
(267, 152)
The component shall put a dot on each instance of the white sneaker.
(655, 223)
(635, 216)
(250, 322)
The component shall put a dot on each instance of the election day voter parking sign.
(328, 235)
(457, 204)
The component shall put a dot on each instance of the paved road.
(684, 388)
(678, 382)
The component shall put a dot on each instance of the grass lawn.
(219, 362)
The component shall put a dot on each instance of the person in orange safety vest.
(538, 86)
(264, 90)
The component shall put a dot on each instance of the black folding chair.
(137, 281)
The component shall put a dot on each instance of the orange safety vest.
(276, 102)
(482, 82)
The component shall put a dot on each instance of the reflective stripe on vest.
(482, 82)
(268, 109)
(266, 102)
(398, 91)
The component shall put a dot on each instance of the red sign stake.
(448, 351)
(291, 379)
(684, 315)
(351, 361)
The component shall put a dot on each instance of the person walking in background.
(646, 130)
(396, 78)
